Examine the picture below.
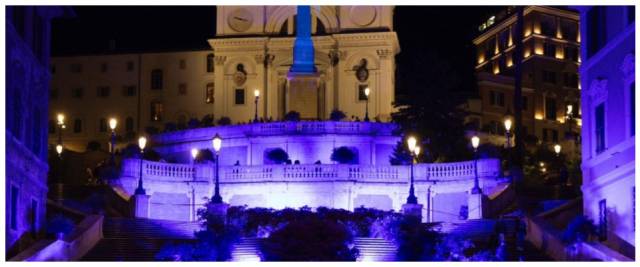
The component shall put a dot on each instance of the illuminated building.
(27, 60)
(609, 114)
(551, 45)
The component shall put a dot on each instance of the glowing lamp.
(367, 91)
(142, 142)
(113, 123)
(569, 110)
(256, 93)
(59, 149)
(194, 153)
(60, 118)
(507, 124)
(475, 141)
(416, 150)
(217, 143)
(557, 149)
(411, 143)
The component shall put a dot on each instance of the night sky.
(447, 31)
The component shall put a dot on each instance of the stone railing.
(486, 168)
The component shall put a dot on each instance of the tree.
(344, 155)
(400, 155)
(277, 156)
(429, 107)
(337, 115)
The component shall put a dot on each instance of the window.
(548, 25)
(571, 53)
(76, 68)
(183, 64)
(104, 91)
(239, 96)
(104, 67)
(182, 89)
(77, 92)
(550, 50)
(491, 46)
(19, 14)
(156, 111)
(129, 90)
(209, 94)
(545, 135)
(569, 29)
(361, 95)
(570, 79)
(53, 94)
(33, 217)
(597, 30)
(14, 207)
(130, 65)
(37, 131)
(632, 88)
(103, 125)
(210, 63)
(496, 98)
(600, 124)
(504, 39)
(52, 126)
(602, 219)
(77, 126)
(525, 103)
(128, 124)
(156, 79)
(554, 136)
(550, 108)
(38, 39)
(548, 76)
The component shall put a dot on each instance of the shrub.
(205, 155)
(59, 226)
(207, 120)
(337, 115)
(194, 123)
(170, 127)
(344, 155)
(578, 230)
(223, 121)
(277, 156)
(150, 130)
(131, 151)
(400, 155)
(292, 116)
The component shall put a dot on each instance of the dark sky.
(446, 31)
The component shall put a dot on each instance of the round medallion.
(362, 15)
(240, 19)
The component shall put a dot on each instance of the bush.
(170, 127)
(337, 115)
(400, 155)
(59, 226)
(579, 230)
(344, 155)
(194, 123)
(277, 156)
(150, 130)
(207, 120)
(205, 155)
(131, 151)
(292, 116)
(223, 121)
(312, 239)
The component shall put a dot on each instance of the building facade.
(27, 59)
(609, 115)
(354, 49)
(550, 87)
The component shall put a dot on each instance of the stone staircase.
(371, 249)
(127, 239)
(375, 249)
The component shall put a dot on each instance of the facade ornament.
(268, 59)
(334, 57)
(220, 60)
(362, 73)
(628, 66)
(259, 58)
(240, 77)
(598, 90)
(384, 53)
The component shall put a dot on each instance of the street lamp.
(411, 143)
(142, 142)
(256, 93)
(217, 144)
(507, 126)
(475, 142)
(557, 148)
(367, 91)
(60, 127)
(194, 155)
(112, 125)
(59, 150)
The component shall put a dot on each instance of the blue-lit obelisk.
(303, 76)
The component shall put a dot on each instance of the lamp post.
(217, 144)
(194, 155)
(112, 125)
(411, 143)
(59, 186)
(367, 91)
(256, 93)
(142, 142)
(60, 127)
(475, 141)
(557, 148)
(507, 127)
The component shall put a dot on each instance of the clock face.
(240, 19)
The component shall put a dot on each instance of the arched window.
(210, 63)
(129, 124)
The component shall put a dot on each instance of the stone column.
(140, 205)
(476, 203)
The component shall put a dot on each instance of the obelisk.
(303, 76)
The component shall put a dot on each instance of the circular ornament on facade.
(362, 15)
(240, 19)
(240, 77)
